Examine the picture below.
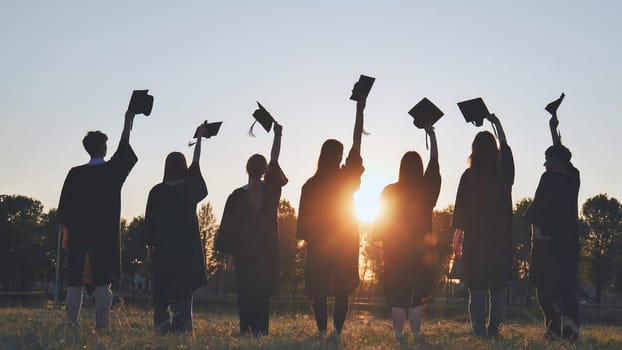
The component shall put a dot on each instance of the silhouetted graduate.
(327, 223)
(249, 232)
(553, 215)
(171, 233)
(483, 222)
(404, 226)
(89, 210)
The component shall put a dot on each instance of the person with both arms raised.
(483, 221)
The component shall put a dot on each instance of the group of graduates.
(89, 211)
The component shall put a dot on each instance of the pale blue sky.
(67, 68)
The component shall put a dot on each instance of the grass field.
(43, 328)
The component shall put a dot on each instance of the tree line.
(28, 246)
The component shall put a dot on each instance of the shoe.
(551, 336)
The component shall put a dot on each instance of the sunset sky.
(69, 68)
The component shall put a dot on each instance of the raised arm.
(201, 131)
(276, 143)
(500, 133)
(358, 124)
(553, 124)
(197, 151)
(433, 143)
(127, 126)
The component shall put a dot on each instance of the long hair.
(175, 167)
(484, 158)
(411, 168)
(330, 157)
(256, 167)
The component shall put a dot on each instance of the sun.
(367, 199)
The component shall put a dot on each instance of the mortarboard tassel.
(494, 129)
(250, 131)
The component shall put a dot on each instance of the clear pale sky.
(67, 68)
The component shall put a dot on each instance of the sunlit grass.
(41, 328)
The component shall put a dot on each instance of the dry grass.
(43, 328)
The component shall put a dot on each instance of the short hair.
(559, 152)
(175, 167)
(93, 142)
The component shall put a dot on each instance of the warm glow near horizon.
(367, 198)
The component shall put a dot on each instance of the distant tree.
(522, 248)
(369, 260)
(443, 232)
(23, 239)
(290, 254)
(215, 261)
(371, 253)
(601, 245)
(133, 252)
(49, 243)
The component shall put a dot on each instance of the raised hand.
(202, 129)
(360, 103)
(278, 129)
(493, 118)
(429, 128)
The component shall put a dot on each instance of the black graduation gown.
(90, 206)
(172, 229)
(483, 209)
(555, 211)
(252, 238)
(327, 222)
(404, 226)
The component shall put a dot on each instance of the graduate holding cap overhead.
(553, 216)
(249, 232)
(404, 227)
(327, 222)
(483, 222)
(89, 212)
(171, 234)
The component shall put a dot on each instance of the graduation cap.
(264, 118)
(474, 111)
(425, 112)
(211, 129)
(140, 102)
(552, 107)
(362, 87)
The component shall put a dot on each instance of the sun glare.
(367, 199)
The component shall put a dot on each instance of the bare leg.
(415, 315)
(399, 317)
(73, 302)
(103, 302)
